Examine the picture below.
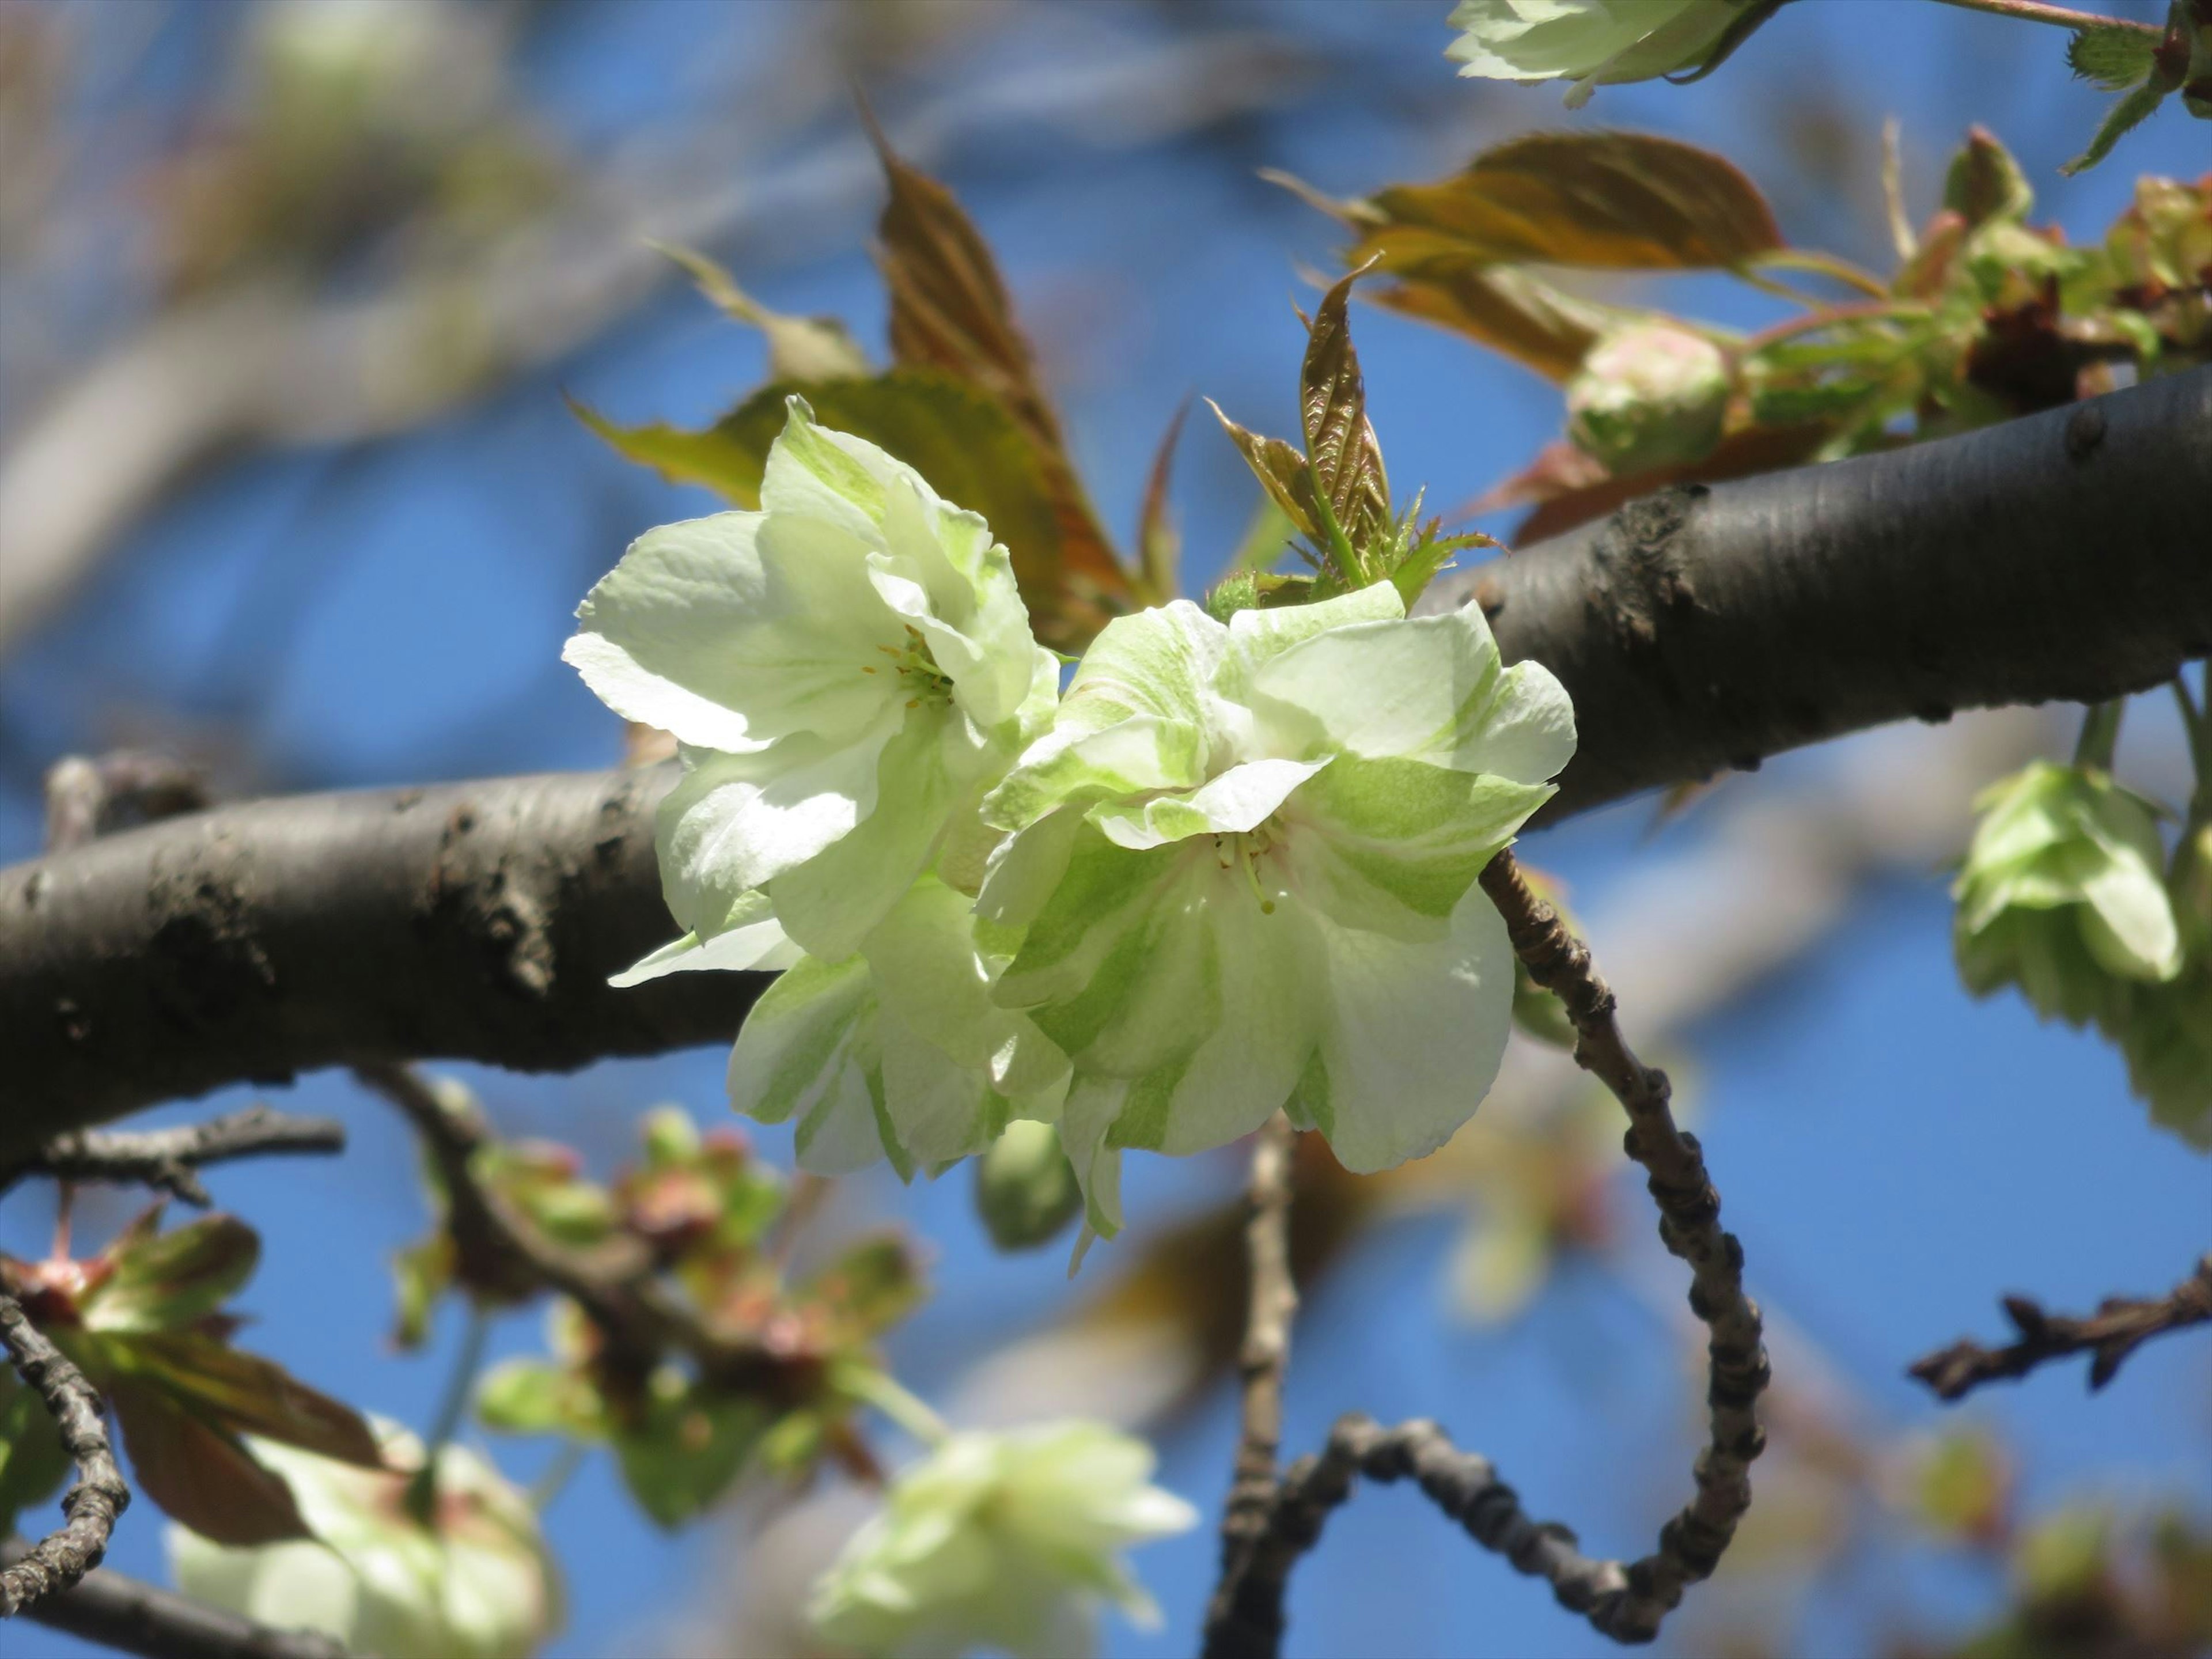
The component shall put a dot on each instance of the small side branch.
(1272, 1306)
(169, 1160)
(94, 1498)
(87, 796)
(1624, 1600)
(614, 1284)
(134, 1616)
(2117, 1329)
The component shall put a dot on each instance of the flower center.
(919, 675)
(1245, 850)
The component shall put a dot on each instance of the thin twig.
(2119, 1326)
(169, 1159)
(614, 1283)
(1625, 1601)
(94, 1498)
(88, 796)
(134, 1616)
(1270, 1308)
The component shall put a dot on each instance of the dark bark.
(134, 1616)
(2064, 555)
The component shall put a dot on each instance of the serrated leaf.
(949, 312)
(2112, 59)
(1984, 183)
(1621, 201)
(201, 1475)
(2121, 119)
(1340, 443)
(1281, 470)
(799, 348)
(165, 1281)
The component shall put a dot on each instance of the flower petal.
(808, 1049)
(731, 634)
(753, 940)
(1257, 637)
(1239, 800)
(1412, 1036)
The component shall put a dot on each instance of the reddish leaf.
(1281, 470)
(1160, 547)
(1614, 200)
(165, 1281)
(199, 1475)
(1562, 502)
(1510, 311)
(1340, 442)
(252, 1395)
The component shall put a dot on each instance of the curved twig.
(97, 1496)
(2119, 1326)
(169, 1160)
(1625, 1601)
(132, 1616)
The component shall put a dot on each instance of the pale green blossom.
(476, 1583)
(845, 672)
(2063, 894)
(1009, 1542)
(1241, 876)
(1588, 42)
(898, 1050)
(1648, 395)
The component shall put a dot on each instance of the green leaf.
(1340, 442)
(165, 1281)
(1159, 545)
(2112, 59)
(535, 1396)
(1984, 183)
(711, 457)
(32, 1461)
(870, 1287)
(2123, 117)
(685, 1444)
(422, 1274)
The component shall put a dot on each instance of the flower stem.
(874, 1388)
(2064, 17)
(2100, 734)
(550, 1484)
(421, 1496)
(1815, 263)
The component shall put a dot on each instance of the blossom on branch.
(1590, 42)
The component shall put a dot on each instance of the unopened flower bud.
(1026, 1188)
(1648, 396)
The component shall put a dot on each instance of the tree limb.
(2057, 557)
(169, 1159)
(2117, 1329)
(1272, 1307)
(94, 1498)
(1625, 1601)
(134, 1616)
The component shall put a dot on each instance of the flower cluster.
(1008, 1542)
(1229, 871)
(1589, 43)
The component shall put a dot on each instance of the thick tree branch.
(1625, 1601)
(169, 1160)
(134, 1616)
(95, 1497)
(2058, 557)
(2117, 1329)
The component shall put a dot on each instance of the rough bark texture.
(133, 1617)
(250, 943)
(2065, 556)
(2068, 555)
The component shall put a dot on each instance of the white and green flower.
(2063, 894)
(1588, 42)
(898, 1050)
(1007, 1541)
(475, 1581)
(1241, 876)
(845, 672)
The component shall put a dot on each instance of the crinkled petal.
(1024, 869)
(924, 776)
(735, 822)
(808, 1050)
(752, 940)
(1239, 800)
(1257, 637)
(1429, 689)
(2128, 921)
(1411, 1037)
(1393, 845)
(733, 635)
(1093, 1104)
